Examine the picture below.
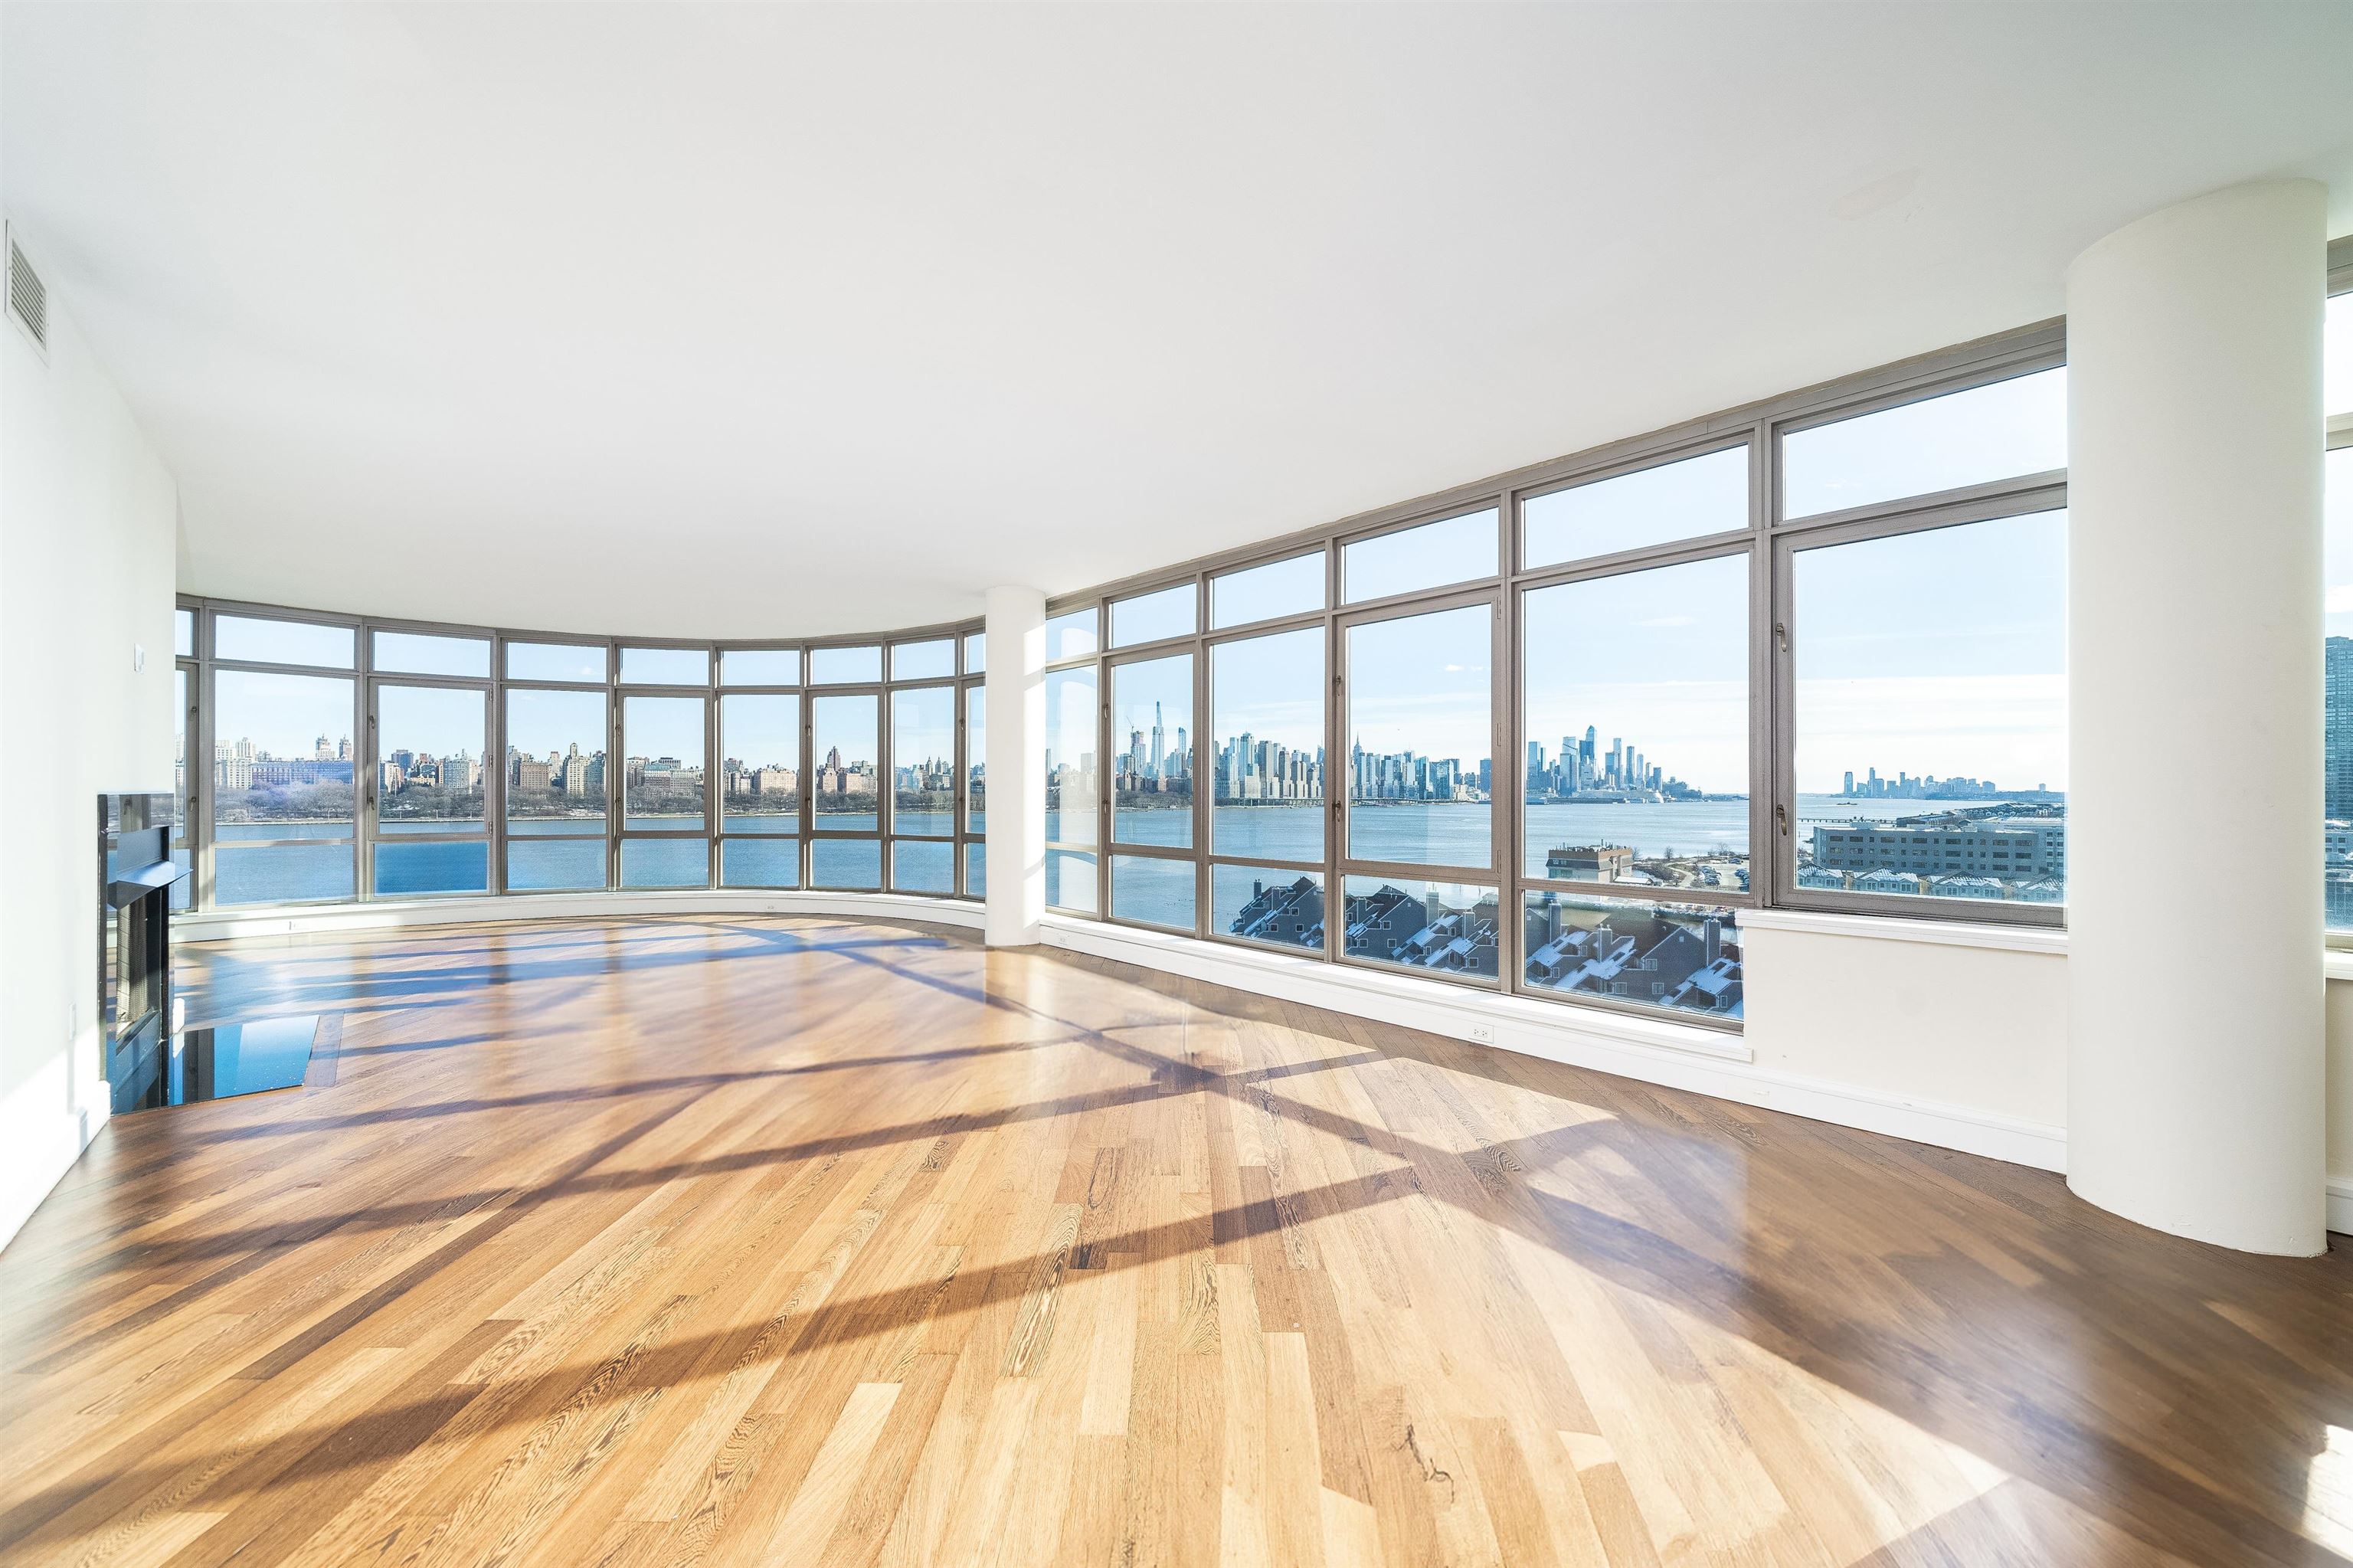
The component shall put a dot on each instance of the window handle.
(1781, 634)
(1781, 816)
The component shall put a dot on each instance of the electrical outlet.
(1482, 1034)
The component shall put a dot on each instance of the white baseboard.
(225, 925)
(1658, 1051)
(2340, 1204)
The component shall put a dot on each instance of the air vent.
(28, 298)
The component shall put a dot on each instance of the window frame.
(370, 806)
(1768, 538)
(2336, 434)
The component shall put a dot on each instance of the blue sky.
(761, 730)
(1659, 657)
(1270, 687)
(541, 722)
(1135, 687)
(846, 722)
(1941, 653)
(923, 726)
(662, 726)
(433, 720)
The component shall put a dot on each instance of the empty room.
(1138, 785)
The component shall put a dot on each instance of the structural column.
(1015, 751)
(2194, 929)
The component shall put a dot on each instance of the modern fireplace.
(135, 873)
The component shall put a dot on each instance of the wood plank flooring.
(739, 1241)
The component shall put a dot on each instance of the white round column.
(2194, 929)
(1015, 745)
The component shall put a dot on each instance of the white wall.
(1981, 1028)
(87, 518)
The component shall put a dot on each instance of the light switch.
(138, 658)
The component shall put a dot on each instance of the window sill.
(1896, 928)
(265, 920)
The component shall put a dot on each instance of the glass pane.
(760, 667)
(1291, 587)
(666, 863)
(844, 753)
(2010, 427)
(760, 863)
(975, 652)
(1434, 927)
(1940, 657)
(416, 654)
(1283, 908)
(662, 741)
(921, 866)
(179, 754)
(283, 642)
(665, 667)
(1419, 722)
(1266, 710)
(1450, 550)
(976, 871)
(282, 762)
(542, 865)
(853, 865)
(2336, 551)
(556, 661)
(1683, 957)
(923, 660)
(1150, 617)
(441, 867)
(922, 761)
(845, 666)
(1071, 881)
(429, 743)
(1155, 891)
(976, 752)
(1071, 634)
(760, 776)
(1152, 759)
(555, 760)
(1706, 494)
(184, 633)
(1071, 788)
(278, 873)
(2336, 357)
(1643, 679)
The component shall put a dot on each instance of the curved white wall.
(2194, 1096)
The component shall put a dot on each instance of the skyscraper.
(2337, 746)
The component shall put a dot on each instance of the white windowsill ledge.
(1896, 928)
(220, 924)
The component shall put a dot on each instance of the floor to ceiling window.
(923, 766)
(554, 770)
(2336, 650)
(284, 825)
(846, 762)
(1073, 741)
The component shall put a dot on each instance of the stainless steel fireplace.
(135, 873)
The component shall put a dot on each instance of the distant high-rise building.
(2337, 749)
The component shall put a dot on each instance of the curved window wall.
(1552, 734)
(358, 758)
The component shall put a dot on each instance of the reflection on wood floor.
(800, 1241)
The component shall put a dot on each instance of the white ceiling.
(738, 321)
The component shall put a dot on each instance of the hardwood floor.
(798, 1241)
